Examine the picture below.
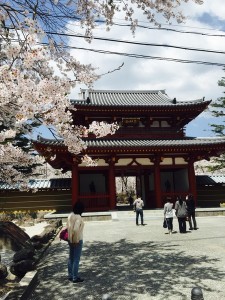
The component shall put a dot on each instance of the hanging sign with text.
(130, 121)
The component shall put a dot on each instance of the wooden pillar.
(146, 190)
(75, 183)
(192, 179)
(157, 182)
(112, 184)
(138, 184)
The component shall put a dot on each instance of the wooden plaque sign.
(130, 121)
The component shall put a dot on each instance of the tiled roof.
(41, 184)
(218, 178)
(130, 98)
(210, 179)
(65, 183)
(111, 143)
(204, 180)
(152, 143)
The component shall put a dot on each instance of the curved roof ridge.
(163, 91)
(139, 142)
(194, 100)
(132, 98)
(211, 138)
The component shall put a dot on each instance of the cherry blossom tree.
(37, 73)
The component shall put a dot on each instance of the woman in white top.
(75, 227)
(168, 214)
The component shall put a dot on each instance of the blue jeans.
(74, 259)
(139, 212)
(169, 222)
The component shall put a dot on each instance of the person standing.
(191, 212)
(130, 200)
(168, 214)
(138, 207)
(181, 213)
(75, 227)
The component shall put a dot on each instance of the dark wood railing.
(61, 200)
(142, 132)
(96, 202)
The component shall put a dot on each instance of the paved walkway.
(139, 262)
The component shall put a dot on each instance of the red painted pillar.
(157, 183)
(192, 179)
(112, 184)
(75, 183)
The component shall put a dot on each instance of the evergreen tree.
(23, 142)
(218, 110)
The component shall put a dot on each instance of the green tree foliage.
(218, 110)
(22, 140)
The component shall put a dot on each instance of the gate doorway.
(125, 190)
(135, 182)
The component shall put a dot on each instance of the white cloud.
(183, 81)
(213, 8)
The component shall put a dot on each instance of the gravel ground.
(139, 262)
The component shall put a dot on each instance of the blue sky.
(183, 81)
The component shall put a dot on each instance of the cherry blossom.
(37, 73)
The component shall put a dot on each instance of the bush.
(21, 216)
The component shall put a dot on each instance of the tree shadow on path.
(126, 270)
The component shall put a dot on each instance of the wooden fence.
(61, 200)
(210, 196)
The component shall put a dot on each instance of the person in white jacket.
(168, 214)
(75, 227)
(138, 207)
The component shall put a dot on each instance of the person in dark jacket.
(130, 200)
(191, 212)
(181, 213)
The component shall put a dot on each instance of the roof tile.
(130, 98)
(111, 143)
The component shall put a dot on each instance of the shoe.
(70, 279)
(195, 228)
(137, 224)
(191, 228)
(78, 280)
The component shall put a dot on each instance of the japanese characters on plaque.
(130, 121)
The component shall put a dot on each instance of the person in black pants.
(181, 213)
(191, 212)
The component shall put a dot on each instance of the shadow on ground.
(125, 269)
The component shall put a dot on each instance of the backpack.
(181, 210)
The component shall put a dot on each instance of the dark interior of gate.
(94, 187)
